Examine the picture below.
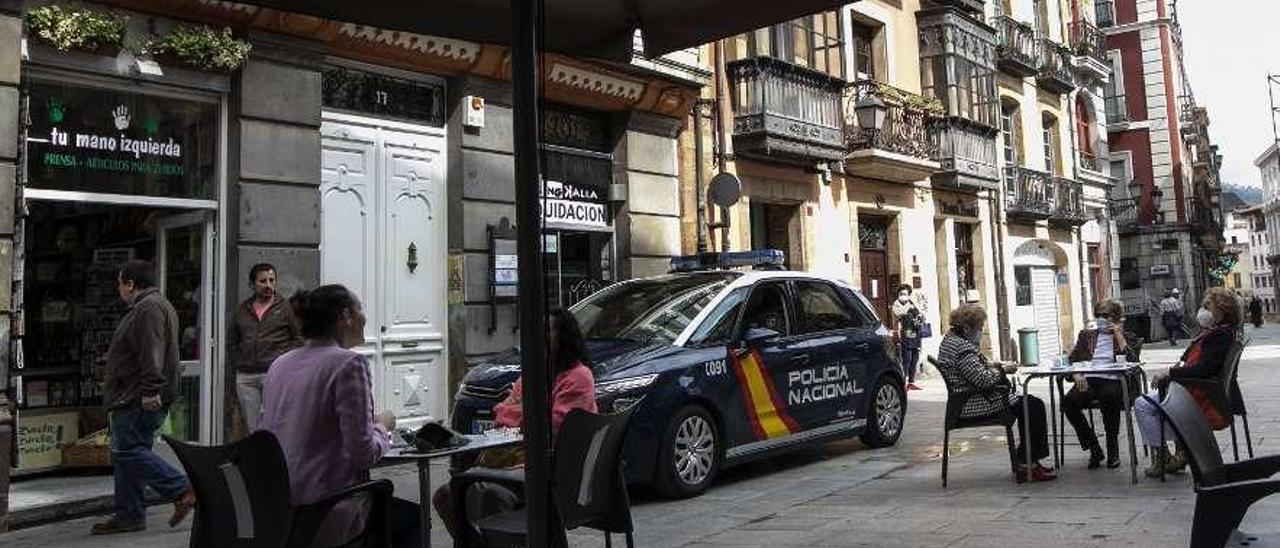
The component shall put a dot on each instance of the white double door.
(1044, 296)
(384, 236)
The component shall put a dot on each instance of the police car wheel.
(888, 411)
(690, 454)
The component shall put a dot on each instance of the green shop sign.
(109, 141)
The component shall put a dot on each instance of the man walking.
(262, 328)
(141, 381)
(1171, 314)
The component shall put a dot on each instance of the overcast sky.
(1230, 46)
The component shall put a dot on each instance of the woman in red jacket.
(1220, 316)
(574, 388)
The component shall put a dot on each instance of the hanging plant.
(200, 47)
(74, 27)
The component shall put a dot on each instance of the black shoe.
(1113, 462)
(1095, 456)
(114, 526)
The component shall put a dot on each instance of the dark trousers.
(1038, 434)
(133, 434)
(910, 358)
(1110, 401)
(1172, 326)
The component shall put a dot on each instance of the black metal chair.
(1224, 393)
(243, 494)
(589, 488)
(956, 401)
(1224, 492)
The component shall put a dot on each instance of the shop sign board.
(41, 437)
(112, 141)
(572, 206)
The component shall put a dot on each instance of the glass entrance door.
(578, 263)
(184, 257)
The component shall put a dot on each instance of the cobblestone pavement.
(845, 495)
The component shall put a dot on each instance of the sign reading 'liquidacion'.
(109, 141)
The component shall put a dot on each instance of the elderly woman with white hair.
(961, 363)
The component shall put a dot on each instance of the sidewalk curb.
(69, 510)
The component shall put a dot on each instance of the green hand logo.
(57, 111)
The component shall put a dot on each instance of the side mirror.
(757, 336)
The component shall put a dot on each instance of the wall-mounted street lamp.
(870, 112)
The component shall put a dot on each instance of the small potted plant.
(74, 27)
(199, 47)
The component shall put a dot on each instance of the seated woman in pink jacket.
(574, 388)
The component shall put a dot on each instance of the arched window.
(1084, 134)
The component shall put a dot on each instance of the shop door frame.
(203, 365)
(213, 91)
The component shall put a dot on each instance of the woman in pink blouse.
(318, 402)
(574, 388)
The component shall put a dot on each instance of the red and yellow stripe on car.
(768, 416)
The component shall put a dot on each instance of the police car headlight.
(609, 389)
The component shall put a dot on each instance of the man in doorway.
(1171, 314)
(262, 328)
(141, 381)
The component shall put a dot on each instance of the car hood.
(609, 358)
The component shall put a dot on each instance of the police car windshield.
(650, 310)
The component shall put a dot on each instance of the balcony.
(1055, 74)
(1068, 203)
(1089, 161)
(1088, 41)
(971, 6)
(1028, 193)
(1017, 49)
(1117, 110)
(901, 151)
(1104, 12)
(966, 152)
(784, 112)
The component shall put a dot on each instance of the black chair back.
(590, 490)
(956, 400)
(1180, 410)
(243, 489)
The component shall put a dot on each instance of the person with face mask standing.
(966, 371)
(1220, 316)
(909, 321)
(262, 329)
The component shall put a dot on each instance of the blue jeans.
(910, 356)
(133, 433)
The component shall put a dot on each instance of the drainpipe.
(1002, 296)
(701, 214)
(722, 105)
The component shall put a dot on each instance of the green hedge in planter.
(75, 27)
(201, 47)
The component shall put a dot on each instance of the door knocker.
(413, 257)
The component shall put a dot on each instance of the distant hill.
(1250, 195)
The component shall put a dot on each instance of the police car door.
(830, 385)
(763, 365)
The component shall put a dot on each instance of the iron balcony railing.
(1089, 161)
(1104, 12)
(966, 148)
(1068, 202)
(1028, 193)
(906, 119)
(1017, 49)
(785, 110)
(1055, 67)
(1088, 41)
(1117, 110)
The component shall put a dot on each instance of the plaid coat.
(966, 370)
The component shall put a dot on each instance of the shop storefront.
(577, 215)
(112, 172)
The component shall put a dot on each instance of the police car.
(723, 367)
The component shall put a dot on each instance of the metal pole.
(699, 197)
(722, 135)
(525, 30)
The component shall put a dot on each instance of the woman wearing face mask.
(1220, 316)
(909, 321)
(966, 370)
